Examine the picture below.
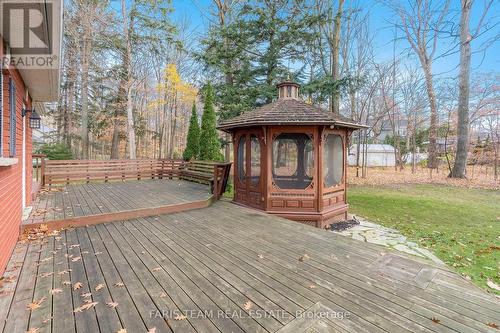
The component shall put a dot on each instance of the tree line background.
(132, 76)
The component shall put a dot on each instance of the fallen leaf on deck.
(119, 284)
(36, 304)
(180, 317)
(112, 304)
(66, 271)
(122, 331)
(97, 253)
(152, 330)
(77, 285)
(74, 245)
(56, 291)
(163, 295)
(156, 269)
(9, 279)
(99, 287)
(261, 256)
(45, 274)
(248, 305)
(75, 259)
(304, 257)
(6, 292)
(46, 320)
(435, 320)
(492, 284)
(493, 325)
(33, 330)
(66, 283)
(85, 306)
(312, 286)
(45, 259)
(85, 295)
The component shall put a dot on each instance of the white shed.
(377, 155)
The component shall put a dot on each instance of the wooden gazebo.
(290, 159)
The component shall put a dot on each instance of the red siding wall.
(11, 176)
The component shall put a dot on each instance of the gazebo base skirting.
(316, 219)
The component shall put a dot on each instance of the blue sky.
(197, 13)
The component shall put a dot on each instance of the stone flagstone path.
(374, 233)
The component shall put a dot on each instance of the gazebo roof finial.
(288, 89)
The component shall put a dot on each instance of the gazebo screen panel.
(255, 167)
(292, 161)
(333, 160)
(241, 159)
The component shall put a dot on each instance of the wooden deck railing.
(55, 172)
(38, 166)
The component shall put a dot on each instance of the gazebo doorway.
(249, 172)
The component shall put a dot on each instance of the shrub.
(56, 151)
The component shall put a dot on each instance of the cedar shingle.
(287, 112)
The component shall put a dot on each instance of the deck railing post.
(216, 182)
(42, 168)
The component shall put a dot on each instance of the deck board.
(224, 260)
(91, 203)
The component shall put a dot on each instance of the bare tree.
(128, 83)
(335, 66)
(421, 22)
(459, 167)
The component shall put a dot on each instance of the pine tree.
(193, 138)
(209, 140)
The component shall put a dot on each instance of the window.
(254, 160)
(13, 118)
(333, 160)
(242, 168)
(293, 161)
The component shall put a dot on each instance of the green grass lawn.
(461, 226)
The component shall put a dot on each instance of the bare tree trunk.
(432, 151)
(87, 41)
(173, 129)
(495, 163)
(335, 98)
(459, 167)
(128, 65)
(115, 141)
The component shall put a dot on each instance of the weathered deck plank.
(12, 273)
(18, 318)
(133, 278)
(225, 260)
(428, 309)
(79, 200)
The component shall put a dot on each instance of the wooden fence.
(85, 171)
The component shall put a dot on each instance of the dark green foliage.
(256, 50)
(390, 140)
(193, 138)
(209, 140)
(56, 151)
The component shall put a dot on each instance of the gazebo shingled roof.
(288, 112)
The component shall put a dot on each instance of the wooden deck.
(90, 203)
(230, 269)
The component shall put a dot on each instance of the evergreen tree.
(209, 140)
(260, 42)
(193, 138)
